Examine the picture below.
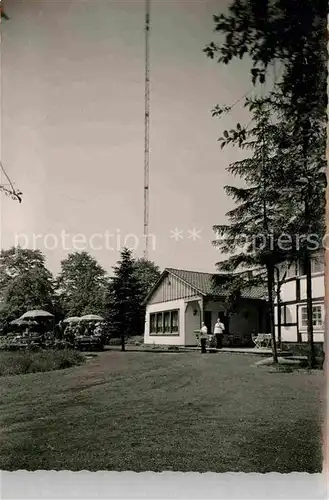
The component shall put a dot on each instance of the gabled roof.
(203, 284)
(200, 281)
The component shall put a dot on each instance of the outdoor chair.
(262, 340)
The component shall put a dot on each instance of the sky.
(73, 129)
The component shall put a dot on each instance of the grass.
(154, 411)
(23, 362)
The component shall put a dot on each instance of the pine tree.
(254, 233)
(147, 274)
(294, 34)
(125, 297)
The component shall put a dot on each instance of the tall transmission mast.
(146, 128)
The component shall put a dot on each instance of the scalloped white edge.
(84, 484)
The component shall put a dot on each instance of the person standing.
(203, 338)
(218, 332)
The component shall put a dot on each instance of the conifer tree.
(124, 298)
(252, 237)
(294, 34)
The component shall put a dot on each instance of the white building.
(181, 300)
(293, 302)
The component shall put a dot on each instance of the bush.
(115, 341)
(29, 361)
(303, 349)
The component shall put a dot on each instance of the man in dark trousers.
(218, 332)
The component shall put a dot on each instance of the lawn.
(163, 411)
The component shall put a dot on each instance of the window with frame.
(286, 318)
(159, 323)
(174, 322)
(153, 323)
(317, 316)
(164, 323)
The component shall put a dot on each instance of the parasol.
(36, 313)
(23, 322)
(72, 319)
(91, 317)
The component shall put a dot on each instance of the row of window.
(317, 316)
(164, 323)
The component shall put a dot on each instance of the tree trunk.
(123, 346)
(278, 300)
(270, 283)
(309, 303)
(269, 265)
(307, 259)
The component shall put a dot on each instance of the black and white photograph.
(163, 236)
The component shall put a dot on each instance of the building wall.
(172, 288)
(293, 331)
(168, 339)
(317, 286)
(288, 291)
(192, 322)
(289, 333)
(244, 321)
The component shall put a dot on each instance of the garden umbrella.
(92, 317)
(36, 314)
(72, 319)
(23, 322)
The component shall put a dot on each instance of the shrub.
(29, 361)
(303, 349)
(115, 341)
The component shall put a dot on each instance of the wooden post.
(201, 305)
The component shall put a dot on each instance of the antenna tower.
(146, 128)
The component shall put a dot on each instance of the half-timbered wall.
(293, 306)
